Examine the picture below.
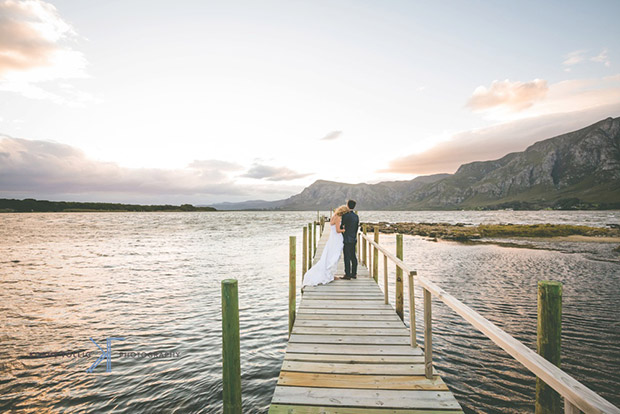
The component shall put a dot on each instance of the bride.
(323, 271)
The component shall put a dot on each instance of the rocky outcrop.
(581, 167)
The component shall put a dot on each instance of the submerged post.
(428, 335)
(231, 360)
(375, 257)
(548, 342)
(292, 279)
(399, 278)
(309, 245)
(412, 326)
(304, 254)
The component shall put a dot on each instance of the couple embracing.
(342, 237)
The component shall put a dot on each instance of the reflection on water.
(154, 280)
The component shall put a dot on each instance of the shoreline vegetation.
(30, 205)
(461, 232)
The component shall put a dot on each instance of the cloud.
(602, 57)
(574, 57)
(30, 166)
(580, 56)
(514, 96)
(33, 49)
(332, 136)
(496, 141)
(270, 173)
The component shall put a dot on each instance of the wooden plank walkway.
(350, 353)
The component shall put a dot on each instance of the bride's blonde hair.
(341, 210)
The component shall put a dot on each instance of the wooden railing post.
(428, 336)
(412, 326)
(314, 239)
(309, 245)
(364, 245)
(548, 342)
(358, 246)
(385, 279)
(292, 279)
(369, 256)
(375, 257)
(569, 408)
(231, 358)
(304, 254)
(399, 278)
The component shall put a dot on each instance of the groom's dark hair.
(351, 204)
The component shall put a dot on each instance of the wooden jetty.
(349, 351)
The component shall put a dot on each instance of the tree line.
(32, 205)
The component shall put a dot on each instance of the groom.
(350, 223)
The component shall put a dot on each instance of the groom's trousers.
(350, 260)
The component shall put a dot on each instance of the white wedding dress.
(323, 271)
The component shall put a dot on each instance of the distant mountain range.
(578, 170)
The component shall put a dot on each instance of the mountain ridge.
(579, 169)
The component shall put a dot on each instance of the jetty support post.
(359, 241)
(375, 257)
(231, 358)
(292, 279)
(304, 254)
(399, 278)
(428, 336)
(548, 343)
(412, 326)
(309, 245)
(385, 279)
(365, 231)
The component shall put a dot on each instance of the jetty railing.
(576, 395)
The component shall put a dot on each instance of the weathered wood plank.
(342, 304)
(310, 409)
(353, 349)
(350, 339)
(360, 369)
(340, 296)
(379, 382)
(354, 359)
(387, 317)
(389, 323)
(332, 287)
(345, 311)
(304, 330)
(430, 400)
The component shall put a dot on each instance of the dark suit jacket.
(350, 222)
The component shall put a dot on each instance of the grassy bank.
(462, 232)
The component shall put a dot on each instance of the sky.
(209, 101)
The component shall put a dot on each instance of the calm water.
(154, 280)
